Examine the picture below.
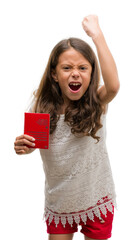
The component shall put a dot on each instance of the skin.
(60, 236)
(72, 67)
(106, 93)
(108, 67)
(66, 237)
(19, 143)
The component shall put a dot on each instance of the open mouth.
(74, 86)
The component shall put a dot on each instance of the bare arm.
(108, 67)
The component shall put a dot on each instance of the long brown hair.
(83, 115)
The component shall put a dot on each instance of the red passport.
(37, 125)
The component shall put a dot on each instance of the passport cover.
(37, 125)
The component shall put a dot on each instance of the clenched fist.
(91, 26)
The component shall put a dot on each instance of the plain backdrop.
(29, 30)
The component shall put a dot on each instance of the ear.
(54, 76)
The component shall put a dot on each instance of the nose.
(75, 74)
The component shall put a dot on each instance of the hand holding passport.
(37, 125)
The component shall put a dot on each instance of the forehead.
(71, 56)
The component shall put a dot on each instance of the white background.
(29, 30)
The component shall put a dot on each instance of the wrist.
(98, 37)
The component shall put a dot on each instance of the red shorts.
(97, 229)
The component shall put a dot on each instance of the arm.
(108, 67)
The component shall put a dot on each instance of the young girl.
(79, 188)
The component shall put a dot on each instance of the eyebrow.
(69, 64)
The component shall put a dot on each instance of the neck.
(63, 108)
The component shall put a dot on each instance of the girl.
(79, 188)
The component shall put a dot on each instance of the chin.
(75, 99)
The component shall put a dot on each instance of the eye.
(83, 68)
(66, 68)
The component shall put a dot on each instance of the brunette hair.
(83, 115)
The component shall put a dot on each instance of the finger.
(25, 136)
(19, 148)
(22, 149)
(84, 21)
(20, 152)
(83, 24)
(24, 142)
(86, 18)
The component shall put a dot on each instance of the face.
(73, 73)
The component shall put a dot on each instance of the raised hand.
(91, 26)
